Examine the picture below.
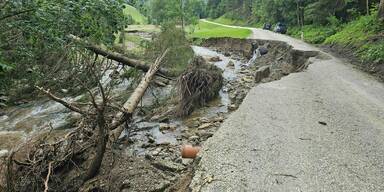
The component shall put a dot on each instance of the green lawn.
(135, 14)
(207, 30)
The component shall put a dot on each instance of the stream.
(23, 121)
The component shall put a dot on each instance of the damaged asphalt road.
(317, 130)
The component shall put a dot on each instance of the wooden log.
(141, 65)
(133, 101)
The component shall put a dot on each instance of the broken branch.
(61, 101)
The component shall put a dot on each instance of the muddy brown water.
(21, 122)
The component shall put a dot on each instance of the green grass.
(137, 17)
(364, 35)
(356, 32)
(206, 30)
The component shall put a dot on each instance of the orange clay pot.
(188, 151)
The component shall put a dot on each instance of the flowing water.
(22, 121)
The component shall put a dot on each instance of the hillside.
(137, 17)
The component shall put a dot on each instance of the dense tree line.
(291, 11)
(294, 12)
(182, 12)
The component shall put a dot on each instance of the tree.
(182, 12)
(33, 34)
(381, 10)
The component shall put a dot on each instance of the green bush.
(358, 31)
(312, 33)
(317, 34)
(372, 52)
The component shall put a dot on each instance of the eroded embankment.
(280, 55)
(148, 158)
(268, 61)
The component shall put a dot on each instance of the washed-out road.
(320, 130)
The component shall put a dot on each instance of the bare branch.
(48, 175)
(93, 100)
(61, 101)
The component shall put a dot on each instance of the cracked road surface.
(320, 130)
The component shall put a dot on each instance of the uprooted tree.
(200, 83)
(66, 164)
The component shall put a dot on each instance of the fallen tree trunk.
(121, 58)
(131, 104)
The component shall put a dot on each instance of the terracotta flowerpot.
(188, 151)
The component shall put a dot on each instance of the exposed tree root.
(200, 83)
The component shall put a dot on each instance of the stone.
(160, 118)
(149, 157)
(187, 162)
(151, 139)
(164, 144)
(247, 79)
(187, 135)
(262, 73)
(263, 50)
(246, 71)
(219, 119)
(194, 138)
(205, 125)
(166, 126)
(232, 107)
(157, 151)
(215, 59)
(204, 120)
(227, 54)
(231, 64)
(217, 124)
(205, 135)
(167, 165)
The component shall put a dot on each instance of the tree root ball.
(199, 84)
